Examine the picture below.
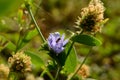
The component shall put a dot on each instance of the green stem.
(58, 71)
(72, 44)
(48, 73)
(20, 41)
(70, 49)
(17, 44)
(43, 73)
(69, 78)
(37, 27)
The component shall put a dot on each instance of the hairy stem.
(37, 27)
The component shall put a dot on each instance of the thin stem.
(69, 78)
(70, 49)
(37, 27)
(57, 74)
(72, 44)
(17, 44)
(48, 73)
(20, 41)
(43, 73)
(38, 7)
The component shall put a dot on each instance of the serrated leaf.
(86, 39)
(36, 60)
(71, 61)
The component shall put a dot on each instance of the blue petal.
(53, 44)
(59, 44)
(56, 35)
(56, 43)
(59, 50)
(53, 40)
(65, 42)
(63, 36)
(49, 42)
(52, 37)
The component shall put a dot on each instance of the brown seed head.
(84, 71)
(20, 62)
(4, 71)
(92, 17)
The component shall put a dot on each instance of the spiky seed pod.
(92, 17)
(20, 63)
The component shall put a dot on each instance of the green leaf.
(27, 38)
(71, 61)
(36, 60)
(30, 35)
(11, 46)
(9, 6)
(86, 39)
(60, 58)
(5, 43)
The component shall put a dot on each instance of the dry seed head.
(84, 71)
(30, 77)
(92, 17)
(4, 71)
(20, 62)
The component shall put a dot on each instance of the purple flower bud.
(57, 42)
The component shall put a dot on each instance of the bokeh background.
(60, 15)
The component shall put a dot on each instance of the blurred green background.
(60, 15)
